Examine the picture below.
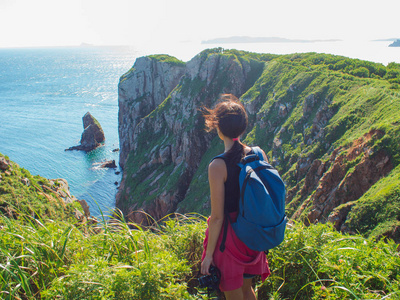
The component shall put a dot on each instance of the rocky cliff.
(140, 91)
(331, 133)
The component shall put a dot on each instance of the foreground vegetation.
(47, 251)
(42, 259)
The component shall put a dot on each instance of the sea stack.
(92, 135)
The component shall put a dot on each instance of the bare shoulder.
(217, 165)
(217, 170)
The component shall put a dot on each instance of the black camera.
(210, 281)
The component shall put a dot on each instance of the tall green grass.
(42, 259)
(317, 262)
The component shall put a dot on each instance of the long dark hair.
(230, 117)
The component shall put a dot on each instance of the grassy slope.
(37, 199)
(357, 104)
(52, 260)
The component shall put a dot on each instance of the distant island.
(248, 39)
(395, 44)
(385, 40)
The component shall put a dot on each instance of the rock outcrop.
(4, 164)
(340, 184)
(92, 136)
(109, 164)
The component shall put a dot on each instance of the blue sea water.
(44, 93)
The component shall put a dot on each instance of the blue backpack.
(261, 220)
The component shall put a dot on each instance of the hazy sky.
(131, 22)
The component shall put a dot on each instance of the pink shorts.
(236, 260)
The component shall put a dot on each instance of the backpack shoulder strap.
(258, 151)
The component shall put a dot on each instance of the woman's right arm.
(217, 174)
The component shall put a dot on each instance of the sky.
(35, 23)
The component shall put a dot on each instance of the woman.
(238, 264)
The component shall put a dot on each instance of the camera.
(210, 281)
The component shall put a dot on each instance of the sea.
(45, 92)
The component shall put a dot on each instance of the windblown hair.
(230, 117)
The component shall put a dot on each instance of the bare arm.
(217, 175)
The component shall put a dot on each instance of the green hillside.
(308, 108)
(22, 194)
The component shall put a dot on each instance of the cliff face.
(140, 91)
(332, 135)
(167, 146)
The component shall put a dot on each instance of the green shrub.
(317, 262)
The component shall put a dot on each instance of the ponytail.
(236, 153)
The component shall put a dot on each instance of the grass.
(43, 259)
(48, 254)
(108, 260)
(37, 197)
(317, 262)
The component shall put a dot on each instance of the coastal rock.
(26, 181)
(61, 187)
(4, 164)
(92, 135)
(110, 164)
(85, 207)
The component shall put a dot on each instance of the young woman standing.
(238, 264)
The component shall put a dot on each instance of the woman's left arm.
(217, 174)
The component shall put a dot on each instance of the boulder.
(4, 164)
(107, 164)
(92, 135)
(85, 207)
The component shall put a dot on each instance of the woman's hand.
(205, 265)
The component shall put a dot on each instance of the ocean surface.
(45, 92)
